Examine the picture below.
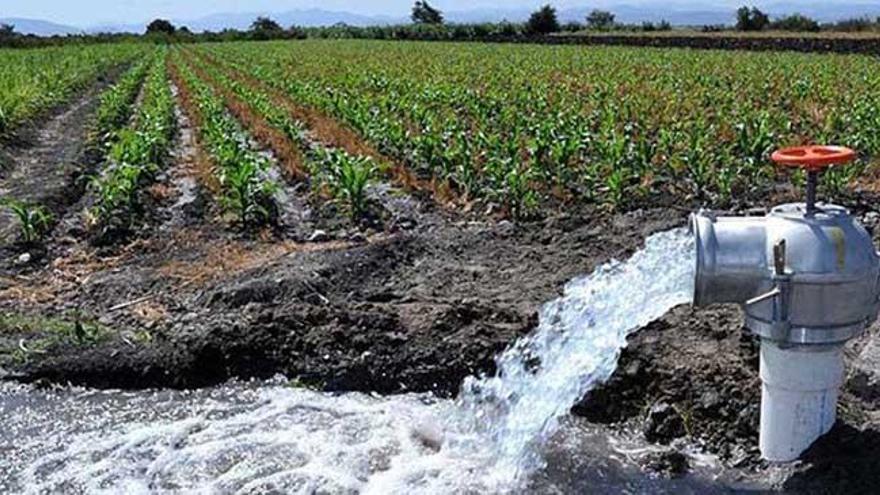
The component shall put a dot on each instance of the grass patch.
(28, 335)
(306, 384)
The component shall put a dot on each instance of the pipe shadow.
(846, 460)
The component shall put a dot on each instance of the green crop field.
(521, 127)
(522, 123)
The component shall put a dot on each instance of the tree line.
(753, 19)
(428, 23)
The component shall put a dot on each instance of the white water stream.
(275, 438)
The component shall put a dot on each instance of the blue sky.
(94, 12)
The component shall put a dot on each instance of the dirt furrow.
(295, 214)
(203, 165)
(290, 157)
(178, 189)
(51, 170)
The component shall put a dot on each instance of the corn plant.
(34, 220)
(836, 180)
(247, 194)
(348, 177)
(519, 195)
(345, 175)
(115, 189)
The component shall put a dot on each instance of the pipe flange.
(784, 332)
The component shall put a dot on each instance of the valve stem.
(812, 184)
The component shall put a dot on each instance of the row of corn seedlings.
(138, 151)
(606, 124)
(345, 176)
(116, 104)
(247, 190)
(33, 80)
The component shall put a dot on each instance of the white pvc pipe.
(798, 397)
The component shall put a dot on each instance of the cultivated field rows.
(606, 124)
(533, 127)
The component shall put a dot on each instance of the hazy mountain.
(38, 27)
(118, 28)
(218, 22)
(624, 13)
(310, 17)
(826, 11)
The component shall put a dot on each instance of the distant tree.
(743, 19)
(751, 19)
(505, 28)
(264, 28)
(600, 19)
(265, 24)
(228, 34)
(664, 26)
(183, 33)
(795, 22)
(482, 30)
(572, 27)
(854, 24)
(160, 26)
(760, 20)
(297, 33)
(423, 13)
(543, 21)
(7, 36)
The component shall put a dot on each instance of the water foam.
(244, 438)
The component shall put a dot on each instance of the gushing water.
(243, 438)
(576, 346)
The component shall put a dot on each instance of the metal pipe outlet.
(808, 278)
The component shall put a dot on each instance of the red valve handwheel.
(813, 158)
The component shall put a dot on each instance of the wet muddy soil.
(415, 303)
(415, 309)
